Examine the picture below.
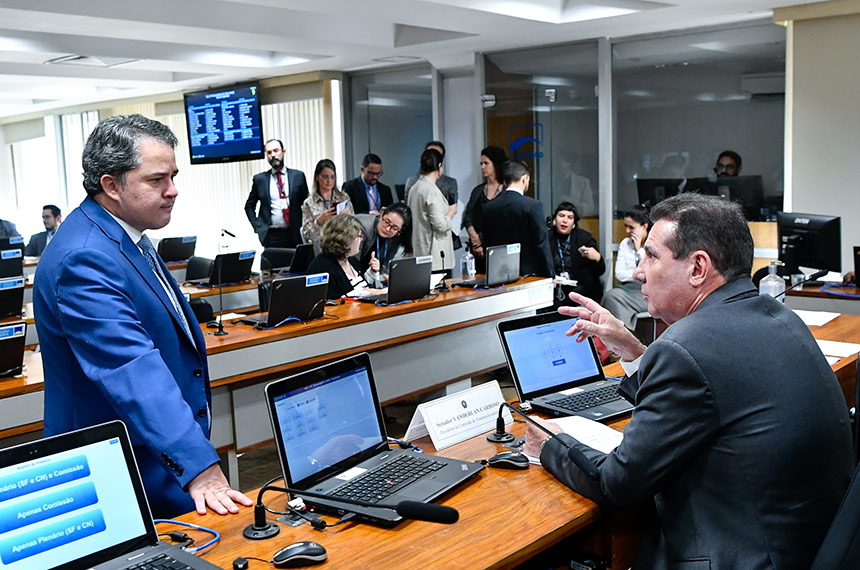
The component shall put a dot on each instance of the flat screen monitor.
(224, 124)
(809, 240)
(654, 190)
(746, 190)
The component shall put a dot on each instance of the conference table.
(829, 298)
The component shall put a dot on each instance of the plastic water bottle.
(772, 284)
(467, 264)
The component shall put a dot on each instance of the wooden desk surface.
(815, 291)
(506, 517)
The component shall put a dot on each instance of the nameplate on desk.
(14, 330)
(11, 283)
(458, 417)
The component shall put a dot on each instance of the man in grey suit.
(51, 217)
(740, 435)
(280, 193)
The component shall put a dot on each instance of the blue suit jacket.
(113, 348)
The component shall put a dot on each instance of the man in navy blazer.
(513, 217)
(274, 206)
(51, 217)
(367, 193)
(118, 339)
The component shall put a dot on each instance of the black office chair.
(202, 310)
(198, 267)
(276, 258)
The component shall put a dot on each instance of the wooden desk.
(506, 518)
(814, 299)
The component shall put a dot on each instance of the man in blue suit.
(118, 339)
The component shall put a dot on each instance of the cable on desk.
(216, 536)
(830, 290)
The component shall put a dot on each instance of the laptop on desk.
(503, 266)
(555, 374)
(177, 248)
(11, 262)
(331, 439)
(11, 296)
(12, 336)
(75, 501)
(11, 242)
(408, 280)
(235, 268)
(301, 260)
(301, 297)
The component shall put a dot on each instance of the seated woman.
(574, 254)
(626, 300)
(387, 236)
(340, 239)
(321, 205)
(431, 233)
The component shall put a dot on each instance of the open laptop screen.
(545, 359)
(327, 422)
(67, 501)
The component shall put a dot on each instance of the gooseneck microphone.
(219, 260)
(813, 277)
(573, 453)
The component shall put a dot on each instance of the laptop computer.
(177, 248)
(235, 268)
(301, 259)
(503, 266)
(76, 501)
(11, 262)
(12, 337)
(331, 438)
(301, 297)
(555, 374)
(408, 280)
(11, 242)
(856, 263)
(11, 297)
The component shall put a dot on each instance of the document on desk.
(836, 348)
(589, 432)
(815, 318)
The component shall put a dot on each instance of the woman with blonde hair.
(321, 205)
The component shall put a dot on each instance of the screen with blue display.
(224, 125)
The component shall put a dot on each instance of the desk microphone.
(573, 453)
(228, 232)
(219, 260)
(813, 277)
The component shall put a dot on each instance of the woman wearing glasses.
(321, 205)
(387, 236)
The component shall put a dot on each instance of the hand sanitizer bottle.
(772, 284)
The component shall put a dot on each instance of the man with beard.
(728, 164)
(280, 193)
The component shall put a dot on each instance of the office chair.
(198, 268)
(276, 258)
(202, 310)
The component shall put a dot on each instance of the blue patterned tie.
(152, 260)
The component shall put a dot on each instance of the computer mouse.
(509, 460)
(304, 553)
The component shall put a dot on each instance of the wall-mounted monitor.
(224, 124)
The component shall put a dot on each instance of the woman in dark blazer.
(574, 254)
(340, 239)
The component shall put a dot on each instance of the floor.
(256, 467)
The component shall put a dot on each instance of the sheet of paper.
(815, 318)
(836, 348)
(593, 434)
(831, 360)
(435, 279)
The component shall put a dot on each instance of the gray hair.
(114, 147)
(337, 235)
(712, 225)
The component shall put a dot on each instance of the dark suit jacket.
(586, 272)
(37, 244)
(514, 218)
(357, 193)
(338, 282)
(740, 436)
(8, 229)
(113, 348)
(261, 217)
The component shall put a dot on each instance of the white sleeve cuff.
(632, 367)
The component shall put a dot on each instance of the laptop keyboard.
(160, 562)
(380, 482)
(585, 400)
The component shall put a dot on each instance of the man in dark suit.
(51, 217)
(8, 229)
(740, 437)
(280, 193)
(118, 339)
(367, 193)
(513, 217)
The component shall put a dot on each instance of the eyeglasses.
(389, 226)
(726, 167)
(373, 174)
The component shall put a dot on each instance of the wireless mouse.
(509, 460)
(304, 553)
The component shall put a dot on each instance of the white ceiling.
(145, 47)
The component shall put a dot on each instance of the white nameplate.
(458, 417)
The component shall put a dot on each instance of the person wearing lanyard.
(388, 236)
(367, 193)
(324, 201)
(574, 252)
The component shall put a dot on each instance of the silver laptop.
(76, 501)
(503, 266)
(331, 439)
(555, 374)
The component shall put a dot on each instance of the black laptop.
(11, 262)
(177, 248)
(11, 297)
(235, 268)
(331, 439)
(555, 374)
(408, 280)
(301, 260)
(12, 336)
(856, 264)
(299, 298)
(11, 242)
(76, 501)
(503, 266)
